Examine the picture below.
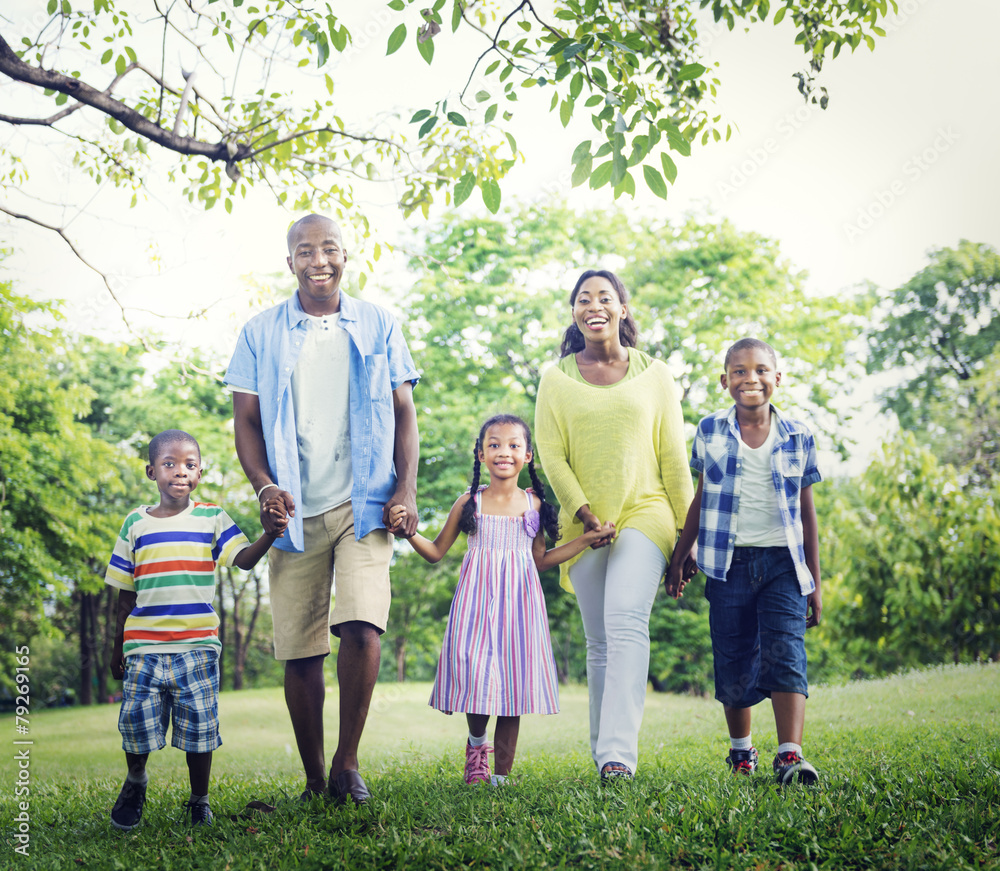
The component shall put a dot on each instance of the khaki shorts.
(301, 584)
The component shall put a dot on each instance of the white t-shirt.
(759, 519)
(321, 395)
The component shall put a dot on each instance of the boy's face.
(176, 471)
(751, 378)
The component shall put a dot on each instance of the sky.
(901, 162)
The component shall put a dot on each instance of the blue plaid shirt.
(717, 454)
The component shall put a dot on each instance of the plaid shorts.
(157, 684)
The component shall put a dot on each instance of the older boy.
(758, 544)
(167, 639)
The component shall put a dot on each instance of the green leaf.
(690, 71)
(396, 39)
(576, 85)
(780, 14)
(482, 96)
(566, 111)
(427, 126)
(464, 187)
(619, 166)
(120, 64)
(491, 194)
(601, 176)
(582, 170)
(581, 151)
(107, 56)
(669, 167)
(426, 49)
(655, 182)
(491, 113)
(398, 5)
(457, 119)
(456, 16)
(419, 115)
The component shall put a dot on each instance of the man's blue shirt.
(265, 356)
(717, 454)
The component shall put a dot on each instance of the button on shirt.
(717, 454)
(265, 357)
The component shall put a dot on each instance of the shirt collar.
(348, 309)
(783, 428)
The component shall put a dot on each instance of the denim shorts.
(758, 622)
(157, 685)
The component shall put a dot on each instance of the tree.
(914, 577)
(107, 81)
(937, 330)
(56, 477)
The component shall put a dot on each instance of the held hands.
(592, 524)
(679, 574)
(602, 536)
(274, 514)
(397, 521)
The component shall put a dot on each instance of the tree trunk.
(400, 645)
(86, 624)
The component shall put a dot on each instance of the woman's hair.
(628, 331)
(549, 513)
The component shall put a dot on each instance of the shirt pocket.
(716, 461)
(379, 384)
(790, 464)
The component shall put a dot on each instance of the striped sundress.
(496, 657)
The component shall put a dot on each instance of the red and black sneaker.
(790, 767)
(742, 761)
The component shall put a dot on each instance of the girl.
(496, 658)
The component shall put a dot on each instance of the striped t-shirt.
(170, 564)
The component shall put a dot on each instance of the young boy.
(758, 544)
(163, 564)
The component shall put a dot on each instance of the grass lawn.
(910, 771)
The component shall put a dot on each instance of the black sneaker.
(201, 813)
(790, 767)
(743, 761)
(127, 812)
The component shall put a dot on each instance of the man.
(324, 417)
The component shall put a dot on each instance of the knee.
(359, 636)
(302, 668)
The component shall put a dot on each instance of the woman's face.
(597, 310)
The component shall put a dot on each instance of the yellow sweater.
(618, 448)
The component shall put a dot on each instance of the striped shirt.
(717, 454)
(169, 562)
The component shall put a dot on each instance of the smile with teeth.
(596, 321)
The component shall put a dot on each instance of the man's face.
(316, 257)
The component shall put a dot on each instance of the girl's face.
(597, 310)
(505, 450)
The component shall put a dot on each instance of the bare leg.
(304, 696)
(789, 716)
(478, 724)
(199, 770)
(738, 721)
(505, 744)
(357, 671)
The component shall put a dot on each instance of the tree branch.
(15, 68)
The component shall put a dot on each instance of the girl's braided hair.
(549, 513)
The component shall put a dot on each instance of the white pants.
(615, 587)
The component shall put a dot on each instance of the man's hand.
(405, 524)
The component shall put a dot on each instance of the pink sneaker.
(477, 763)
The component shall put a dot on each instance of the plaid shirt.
(717, 455)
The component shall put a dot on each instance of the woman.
(610, 435)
